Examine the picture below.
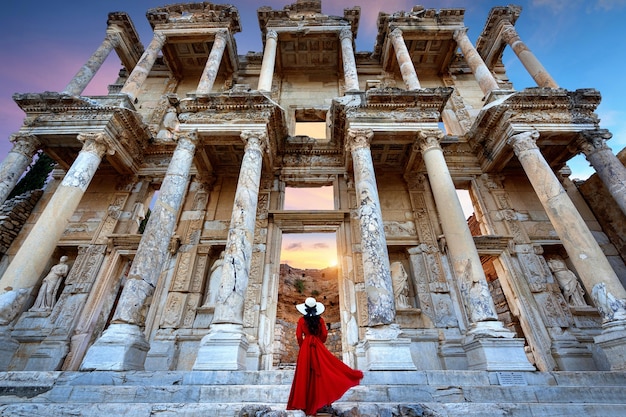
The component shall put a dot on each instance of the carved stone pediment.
(558, 114)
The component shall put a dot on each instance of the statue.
(214, 281)
(568, 282)
(170, 126)
(400, 281)
(50, 285)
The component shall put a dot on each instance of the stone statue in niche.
(400, 285)
(50, 285)
(572, 291)
(214, 281)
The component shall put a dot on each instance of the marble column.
(88, 71)
(32, 257)
(485, 78)
(528, 59)
(594, 270)
(225, 346)
(269, 60)
(488, 344)
(209, 74)
(460, 243)
(606, 164)
(141, 71)
(409, 75)
(383, 347)
(349, 64)
(16, 162)
(123, 345)
(376, 270)
(583, 250)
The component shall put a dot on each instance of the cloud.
(320, 245)
(295, 246)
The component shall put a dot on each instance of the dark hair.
(312, 320)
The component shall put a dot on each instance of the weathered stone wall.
(13, 215)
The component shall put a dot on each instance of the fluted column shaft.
(349, 64)
(606, 164)
(583, 250)
(238, 252)
(269, 60)
(82, 78)
(376, 269)
(409, 75)
(16, 162)
(141, 71)
(153, 247)
(209, 74)
(528, 59)
(485, 78)
(32, 257)
(460, 243)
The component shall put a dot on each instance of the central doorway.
(308, 268)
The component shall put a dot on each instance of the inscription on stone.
(508, 379)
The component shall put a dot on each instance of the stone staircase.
(382, 393)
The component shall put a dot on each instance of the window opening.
(304, 198)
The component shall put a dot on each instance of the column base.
(612, 340)
(491, 347)
(122, 347)
(383, 350)
(225, 347)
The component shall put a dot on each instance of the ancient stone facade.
(206, 138)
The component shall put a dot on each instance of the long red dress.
(320, 378)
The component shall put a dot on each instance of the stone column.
(269, 60)
(582, 248)
(31, 259)
(460, 243)
(123, 345)
(485, 79)
(376, 270)
(16, 162)
(383, 348)
(349, 64)
(597, 275)
(141, 71)
(606, 164)
(488, 344)
(404, 61)
(213, 63)
(225, 346)
(87, 72)
(528, 59)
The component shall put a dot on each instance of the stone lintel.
(489, 45)
(130, 48)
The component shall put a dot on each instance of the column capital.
(25, 145)
(271, 34)
(254, 140)
(97, 143)
(112, 36)
(345, 33)
(359, 138)
(190, 135)
(459, 33)
(591, 141)
(429, 139)
(524, 141)
(509, 34)
(396, 33)
(159, 36)
(221, 34)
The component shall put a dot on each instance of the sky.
(580, 43)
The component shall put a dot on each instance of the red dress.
(320, 378)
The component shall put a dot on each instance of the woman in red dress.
(320, 378)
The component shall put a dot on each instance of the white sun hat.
(311, 302)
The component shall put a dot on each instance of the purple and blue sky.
(579, 42)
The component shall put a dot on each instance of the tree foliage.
(35, 178)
